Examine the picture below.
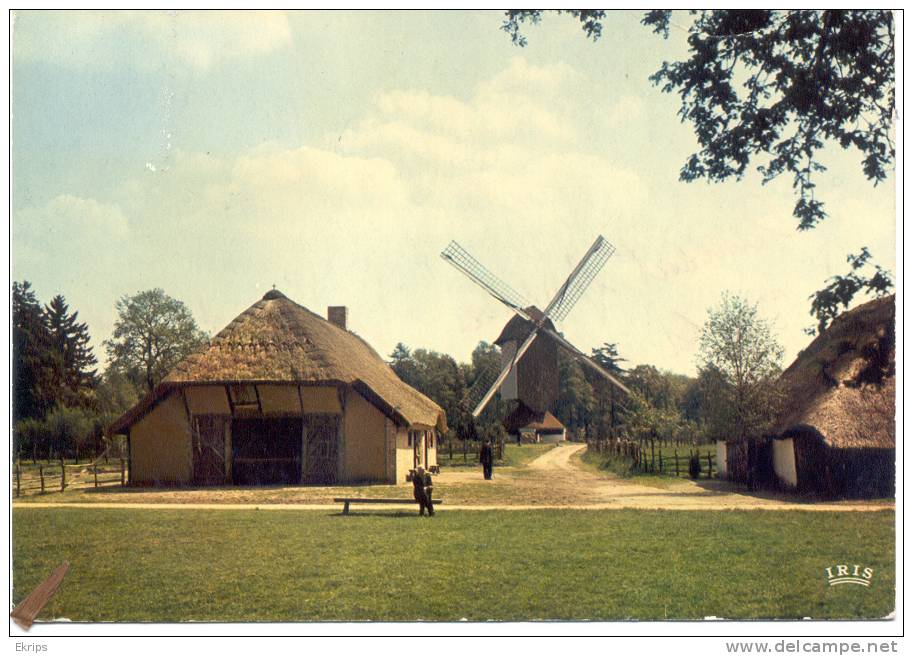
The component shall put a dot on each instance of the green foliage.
(67, 429)
(71, 340)
(315, 565)
(739, 365)
(152, 333)
(776, 85)
(37, 367)
(694, 466)
(829, 302)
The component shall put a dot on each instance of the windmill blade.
(504, 372)
(581, 277)
(582, 357)
(460, 258)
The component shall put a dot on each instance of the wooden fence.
(43, 478)
(659, 457)
(456, 452)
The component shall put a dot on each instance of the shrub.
(694, 466)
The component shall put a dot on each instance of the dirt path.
(558, 458)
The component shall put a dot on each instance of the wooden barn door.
(321, 446)
(209, 449)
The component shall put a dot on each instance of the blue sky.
(335, 154)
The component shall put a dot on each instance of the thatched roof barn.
(281, 395)
(532, 426)
(836, 434)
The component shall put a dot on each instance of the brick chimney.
(338, 315)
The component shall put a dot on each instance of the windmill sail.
(581, 277)
(582, 357)
(462, 260)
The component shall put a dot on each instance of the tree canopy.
(152, 333)
(740, 363)
(774, 87)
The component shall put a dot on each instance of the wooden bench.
(347, 500)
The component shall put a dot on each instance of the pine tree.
(37, 366)
(71, 340)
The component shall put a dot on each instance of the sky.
(335, 154)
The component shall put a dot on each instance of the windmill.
(529, 341)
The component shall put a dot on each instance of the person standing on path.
(486, 457)
(421, 490)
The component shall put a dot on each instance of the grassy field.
(514, 455)
(171, 565)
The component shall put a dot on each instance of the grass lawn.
(171, 565)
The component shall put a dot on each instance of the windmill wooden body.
(529, 342)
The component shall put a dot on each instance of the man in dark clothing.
(421, 490)
(486, 457)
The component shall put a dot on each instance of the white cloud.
(68, 215)
(197, 39)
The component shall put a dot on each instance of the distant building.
(534, 379)
(281, 396)
(534, 427)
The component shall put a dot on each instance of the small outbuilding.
(281, 396)
(534, 427)
(836, 435)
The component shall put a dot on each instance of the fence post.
(18, 478)
(63, 476)
(676, 463)
(465, 447)
(660, 460)
(41, 474)
(95, 472)
(709, 466)
(450, 447)
(123, 472)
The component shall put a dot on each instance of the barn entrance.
(266, 450)
(321, 449)
(209, 467)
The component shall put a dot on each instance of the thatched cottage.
(281, 396)
(836, 435)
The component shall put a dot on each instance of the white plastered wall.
(784, 454)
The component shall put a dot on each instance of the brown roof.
(843, 385)
(277, 340)
(524, 417)
(518, 328)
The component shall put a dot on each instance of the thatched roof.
(842, 385)
(278, 341)
(524, 417)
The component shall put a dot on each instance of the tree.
(829, 302)
(778, 84)
(774, 86)
(606, 406)
(741, 358)
(71, 340)
(37, 368)
(403, 364)
(153, 332)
